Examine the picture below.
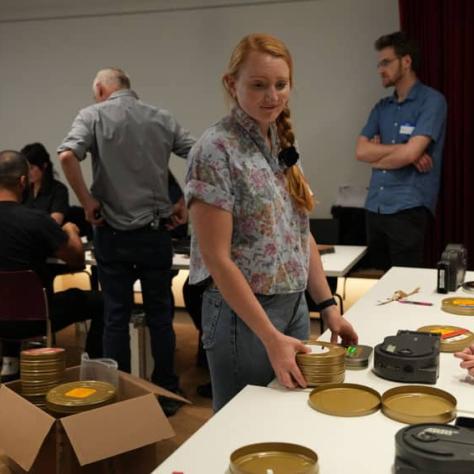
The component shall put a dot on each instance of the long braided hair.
(297, 185)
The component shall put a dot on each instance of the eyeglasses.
(386, 62)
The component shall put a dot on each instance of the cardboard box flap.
(151, 387)
(117, 428)
(24, 427)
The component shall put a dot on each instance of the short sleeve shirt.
(27, 238)
(51, 198)
(231, 167)
(130, 143)
(423, 112)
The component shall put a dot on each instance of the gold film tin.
(74, 397)
(333, 351)
(43, 353)
(277, 458)
(419, 404)
(458, 305)
(357, 357)
(345, 399)
(453, 338)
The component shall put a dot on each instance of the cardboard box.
(117, 438)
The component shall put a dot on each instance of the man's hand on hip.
(92, 212)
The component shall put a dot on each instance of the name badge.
(406, 129)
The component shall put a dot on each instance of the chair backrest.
(22, 297)
(325, 231)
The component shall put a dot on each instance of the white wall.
(175, 58)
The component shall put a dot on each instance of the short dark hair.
(402, 45)
(13, 165)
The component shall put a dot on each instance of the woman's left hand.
(339, 327)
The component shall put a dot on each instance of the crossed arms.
(395, 156)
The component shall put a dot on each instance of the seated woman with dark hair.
(45, 193)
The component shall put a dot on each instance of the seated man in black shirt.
(27, 238)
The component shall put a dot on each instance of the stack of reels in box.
(41, 370)
(324, 364)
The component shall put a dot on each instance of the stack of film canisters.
(40, 371)
(324, 366)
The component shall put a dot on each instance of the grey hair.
(113, 76)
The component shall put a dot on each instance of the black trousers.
(122, 258)
(397, 239)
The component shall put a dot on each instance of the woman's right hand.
(281, 351)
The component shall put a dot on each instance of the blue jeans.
(235, 354)
(122, 258)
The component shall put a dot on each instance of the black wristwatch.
(325, 304)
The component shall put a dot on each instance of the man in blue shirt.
(403, 143)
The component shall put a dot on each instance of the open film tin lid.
(345, 399)
(453, 338)
(274, 458)
(419, 404)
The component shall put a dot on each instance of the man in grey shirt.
(130, 143)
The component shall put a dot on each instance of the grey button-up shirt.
(130, 143)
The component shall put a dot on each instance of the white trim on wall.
(31, 10)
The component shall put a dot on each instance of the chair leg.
(50, 336)
(140, 346)
(81, 329)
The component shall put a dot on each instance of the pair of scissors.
(398, 295)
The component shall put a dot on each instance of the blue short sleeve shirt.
(423, 112)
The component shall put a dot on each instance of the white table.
(335, 264)
(361, 445)
(339, 263)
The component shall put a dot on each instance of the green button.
(351, 350)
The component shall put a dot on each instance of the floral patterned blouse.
(231, 167)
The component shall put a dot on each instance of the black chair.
(325, 231)
(24, 311)
(23, 298)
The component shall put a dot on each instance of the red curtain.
(444, 30)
